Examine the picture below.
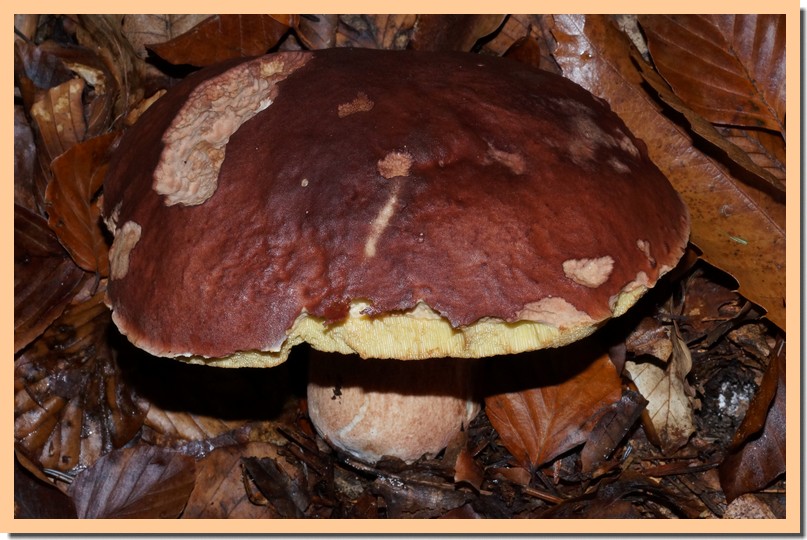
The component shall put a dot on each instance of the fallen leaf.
(133, 77)
(24, 161)
(144, 482)
(35, 499)
(317, 31)
(219, 491)
(732, 230)
(716, 135)
(668, 395)
(729, 68)
(613, 499)
(142, 29)
(650, 337)
(613, 426)
(413, 499)
(59, 117)
(756, 456)
(748, 507)
(282, 484)
(45, 277)
(558, 411)
(70, 404)
(101, 89)
(452, 32)
(222, 37)
(73, 211)
(375, 31)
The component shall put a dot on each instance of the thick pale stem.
(375, 408)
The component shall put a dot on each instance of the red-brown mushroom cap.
(327, 196)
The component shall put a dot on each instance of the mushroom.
(398, 206)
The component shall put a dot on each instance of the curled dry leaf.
(70, 403)
(757, 453)
(45, 277)
(734, 232)
(59, 117)
(609, 431)
(132, 75)
(650, 337)
(317, 31)
(73, 211)
(101, 89)
(219, 491)
(559, 411)
(729, 68)
(142, 29)
(668, 395)
(145, 482)
(222, 37)
(375, 31)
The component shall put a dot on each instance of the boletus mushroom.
(398, 206)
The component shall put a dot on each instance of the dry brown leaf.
(101, 89)
(609, 431)
(174, 426)
(452, 32)
(729, 68)
(711, 133)
(144, 482)
(650, 337)
(132, 75)
(24, 161)
(70, 404)
(73, 211)
(59, 116)
(558, 413)
(732, 230)
(668, 394)
(222, 37)
(45, 277)
(757, 453)
(375, 31)
(219, 491)
(766, 149)
(142, 29)
(317, 31)
(37, 499)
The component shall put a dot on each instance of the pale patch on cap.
(589, 272)
(125, 240)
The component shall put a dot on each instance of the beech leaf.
(317, 31)
(734, 231)
(144, 482)
(142, 29)
(757, 453)
(219, 491)
(559, 411)
(70, 404)
(45, 277)
(59, 117)
(668, 394)
(729, 68)
(222, 37)
(73, 212)
(375, 31)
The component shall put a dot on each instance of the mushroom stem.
(374, 408)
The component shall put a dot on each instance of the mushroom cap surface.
(397, 204)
